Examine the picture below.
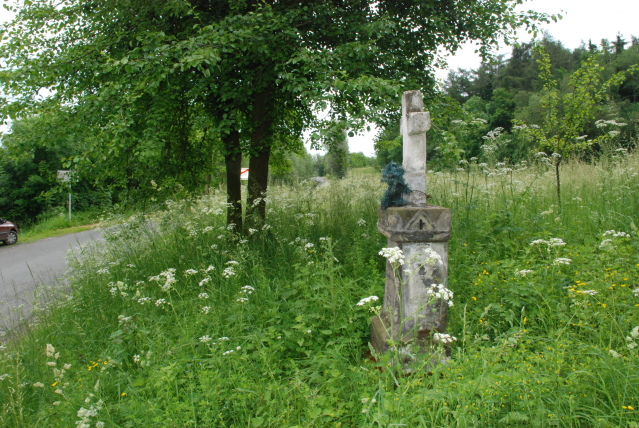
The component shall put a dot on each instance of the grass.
(58, 225)
(162, 330)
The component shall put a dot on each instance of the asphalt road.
(26, 267)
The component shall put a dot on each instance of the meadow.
(176, 320)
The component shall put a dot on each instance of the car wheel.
(12, 238)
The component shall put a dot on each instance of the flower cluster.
(86, 415)
(523, 272)
(615, 234)
(366, 300)
(634, 335)
(394, 255)
(166, 279)
(443, 338)
(552, 242)
(431, 257)
(439, 291)
(561, 261)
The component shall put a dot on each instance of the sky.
(582, 20)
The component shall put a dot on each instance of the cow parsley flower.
(561, 261)
(206, 309)
(205, 339)
(523, 272)
(443, 338)
(616, 234)
(431, 257)
(203, 296)
(439, 291)
(394, 255)
(366, 300)
(606, 244)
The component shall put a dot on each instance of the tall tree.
(258, 68)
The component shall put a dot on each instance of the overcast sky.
(582, 20)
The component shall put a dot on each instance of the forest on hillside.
(480, 114)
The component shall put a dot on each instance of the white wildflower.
(523, 272)
(616, 234)
(393, 255)
(366, 300)
(205, 339)
(431, 257)
(556, 242)
(190, 272)
(228, 272)
(206, 309)
(606, 244)
(443, 338)
(439, 291)
(203, 296)
(561, 261)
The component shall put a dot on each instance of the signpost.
(64, 176)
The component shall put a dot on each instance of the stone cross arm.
(415, 122)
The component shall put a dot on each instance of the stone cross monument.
(412, 311)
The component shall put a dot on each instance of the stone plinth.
(410, 315)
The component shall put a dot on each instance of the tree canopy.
(171, 82)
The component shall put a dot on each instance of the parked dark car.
(8, 232)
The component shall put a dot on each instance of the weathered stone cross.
(410, 316)
(414, 124)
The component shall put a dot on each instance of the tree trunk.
(257, 186)
(233, 162)
(261, 141)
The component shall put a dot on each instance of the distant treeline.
(507, 91)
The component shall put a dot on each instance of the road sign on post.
(64, 176)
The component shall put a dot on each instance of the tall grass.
(179, 321)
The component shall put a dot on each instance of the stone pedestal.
(407, 319)
(413, 309)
